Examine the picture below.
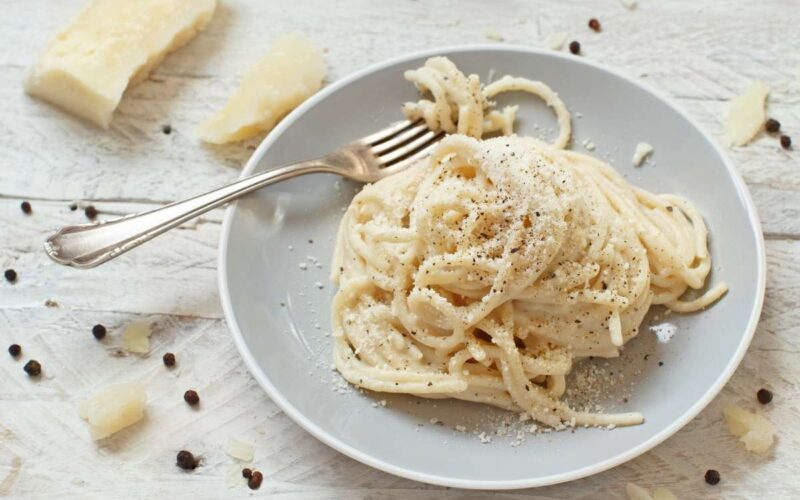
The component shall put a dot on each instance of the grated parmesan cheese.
(746, 115)
(629, 4)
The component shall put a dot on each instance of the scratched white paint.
(700, 53)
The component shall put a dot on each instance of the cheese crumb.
(493, 35)
(643, 150)
(746, 115)
(556, 40)
(239, 450)
(629, 4)
(113, 409)
(756, 432)
(663, 494)
(636, 492)
(136, 337)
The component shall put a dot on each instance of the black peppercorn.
(99, 331)
(90, 212)
(191, 397)
(772, 125)
(169, 359)
(186, 460)
(26, 207)
(254, 482)
(594, 24)
(11, 275)
(247, 473)
(33, 368)
(764, 396)
(712, 476)
(14, 350)
(167, 129)
(786, 141)
(575, 47)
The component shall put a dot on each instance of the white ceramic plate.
(279, 317)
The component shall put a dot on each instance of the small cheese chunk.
(111, 44)
(756, 432)
(113, 409)
(288, 74)
(643, 150)
(746, 115)
(629, 4)
(136, 337)
(636, 492)
(556, 40)
(239, 450)
(663, 494)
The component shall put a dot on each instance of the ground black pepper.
(169, 359)
(575, 47)
(33, 368)
(186, 460)
(786, 141)
(167, 129)
(254, 482)
(660, 363)
(772, 125)
(594, 24)
(191, 397)
(99, 331)
(26, 207)
(11, 275)
(14, 350)
(90, 212)
(712, 476)
(764, 396)
(73, 206)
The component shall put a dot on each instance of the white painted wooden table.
(700, 53)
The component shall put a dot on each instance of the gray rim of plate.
(351, 452)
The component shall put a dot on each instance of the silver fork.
(368, 159)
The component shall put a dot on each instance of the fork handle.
(89, 245)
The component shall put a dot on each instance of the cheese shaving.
(746, 115)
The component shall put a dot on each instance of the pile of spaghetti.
(487, 269)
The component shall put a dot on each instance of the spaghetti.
(486, 270)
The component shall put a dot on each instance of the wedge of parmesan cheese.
(756, 432)
(746, 115)
(114, 408)
(136, 337)
(110, 45)
(643, 150)
(288, 74)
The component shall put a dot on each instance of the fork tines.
(402, 141)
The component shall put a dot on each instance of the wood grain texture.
(699, 53)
